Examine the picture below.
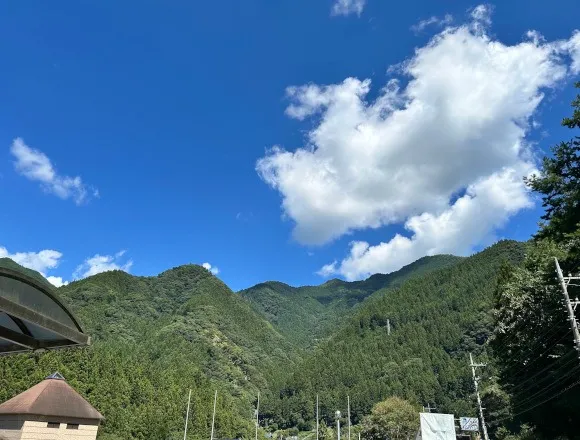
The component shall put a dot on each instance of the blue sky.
(167, 112)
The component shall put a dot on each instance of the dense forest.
(401, 339)
(154, 338)
(435, 321)
(307, 315)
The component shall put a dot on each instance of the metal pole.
(338, 424)
(187, 416)
(571, 316)
(317, 425)
(388, 326)
(257, 417)
(473, 366)
(213, 417)
(348, 408)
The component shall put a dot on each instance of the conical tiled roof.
(51, 397)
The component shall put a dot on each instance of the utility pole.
(317, 425)
(338, 424)
(570, 305)
(187, 416)
(475, 383)
(257, 416)
(348, 409)
(388, 326)
(428, 408)
(213, 417)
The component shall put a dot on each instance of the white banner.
(437, 426)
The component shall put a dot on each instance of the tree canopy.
(392, 419)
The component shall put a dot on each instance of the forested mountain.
(436, 320)
(307, 314)
(188, 302)
(155, 337)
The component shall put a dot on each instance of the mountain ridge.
(307, 314)
(156, 336)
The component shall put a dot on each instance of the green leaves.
(559, 186)
(435, 320)
(393, 419)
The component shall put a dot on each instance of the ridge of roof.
(56, 375)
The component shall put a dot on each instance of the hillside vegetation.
(305, 315)
(154, 338)
(436, 320)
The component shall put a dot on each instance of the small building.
(50, 410)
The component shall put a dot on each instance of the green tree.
(559, 185)
(531, 346)
(325, 432)
(531, 342)
(526, 433)
(392, 419)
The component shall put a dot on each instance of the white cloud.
(463, 116)
(213, 269)
(347, 7)
(423, 24)
(486, 205)
(56, 281)
(35, 165)
(573, 47)
(39, 261)
(102, 263)
(482, 14)
(461, 119)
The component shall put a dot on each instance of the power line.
(504, 351)
(549, 366)
(511, 416)
(515, 374)
(543, 390)
(553, 329)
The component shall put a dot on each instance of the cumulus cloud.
(213, 269)
(487, 205)
(36, 166)
(56, 281)
(461, 120)
(102, 263)
(39, 261)
(347, 7)
(437, 21)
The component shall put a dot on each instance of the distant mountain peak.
(333, 282)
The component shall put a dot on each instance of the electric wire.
(517, 386)
(512, 416)
(543, 390)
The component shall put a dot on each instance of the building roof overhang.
(32, 317)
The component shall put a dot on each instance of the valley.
(155, 337)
